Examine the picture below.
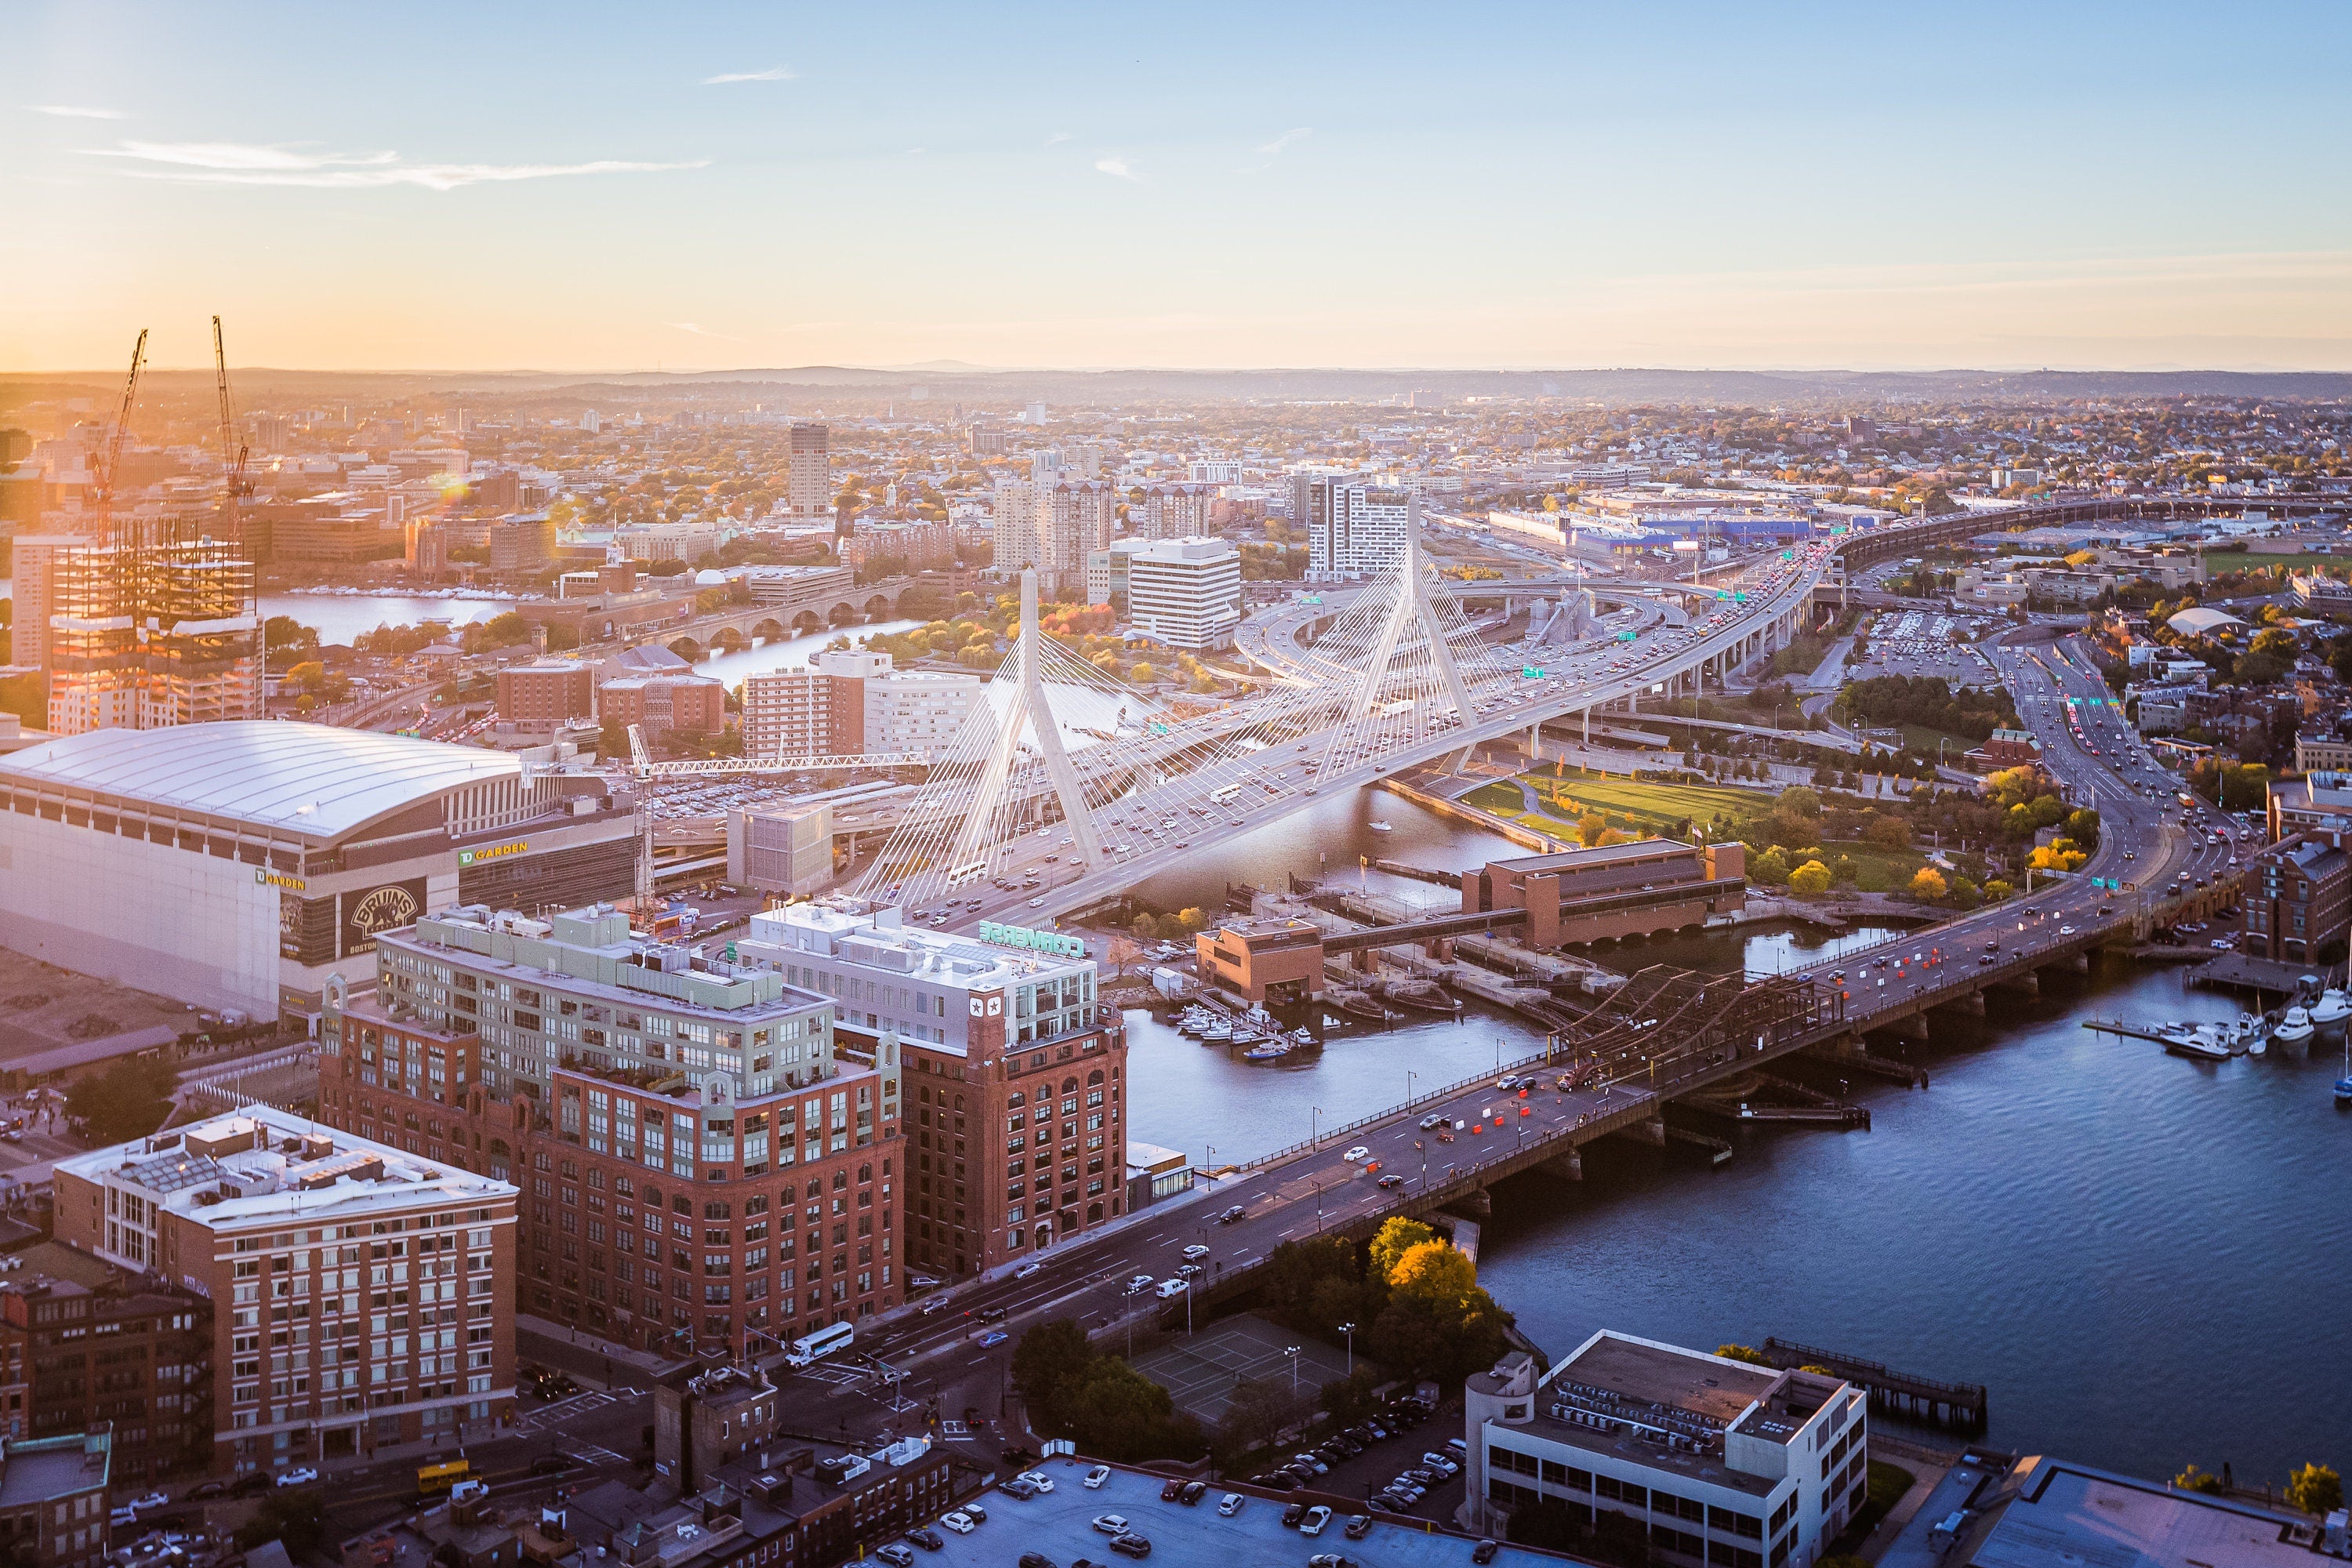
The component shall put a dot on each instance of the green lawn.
(2220, 561)
(1922, 740)
(1658, 804)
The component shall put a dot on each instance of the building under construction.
(149, 634)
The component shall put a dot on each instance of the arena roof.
(308, 779)
(2200, 622)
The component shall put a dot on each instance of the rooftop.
(44, 1468)
(262, 1165)
(1598, 855)
(845, 931)
(320, 781)
(2053, 1513)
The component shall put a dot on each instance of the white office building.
(1714, 1461)
(1354, 529)
(1186, 593)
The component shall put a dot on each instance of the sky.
(589, 188)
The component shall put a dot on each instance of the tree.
(1191, 920)
(2193, 1479)
(1927, 883)
(1048, 1356)
(1396, 1237)
(2083, 827)
(1812, 878)
(284, 634)
(1770, 867)
(2316, 1488)
(1887, 833)
(1996, 890)
(128, 1101)
(1435, 1272)
(1145, 928)
(1257, 1409)
(1116, 1411)
(1747, 1353)
(1348, 1400)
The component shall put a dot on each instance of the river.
(2142, 1258)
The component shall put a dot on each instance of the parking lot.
(1920, 643)
(1056, 1526)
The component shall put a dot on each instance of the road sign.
(1530, 672)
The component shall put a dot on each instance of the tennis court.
(1200, 1372)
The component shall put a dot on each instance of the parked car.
(1035, 1559)
(1230, 1504)
(1169, 1491)
(1130, 1545)
(152, 1501)
(1484, 1553)
(1292, 1513)
(897, 1553)
(927, 1538)
(1096, 1477)
(1193, 1492)
(1317, 1517)
(959, 1523)
(1111, 1523)
(301, 1475)
(1358, 1526)
(1039, 1479)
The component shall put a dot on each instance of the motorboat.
(2294, 1028)
(1268, 1052)
(1381, 828)
(2200, 1042)
(2333, 1007)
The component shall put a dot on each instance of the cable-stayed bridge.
(1069, 786)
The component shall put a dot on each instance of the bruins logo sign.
(379, 909)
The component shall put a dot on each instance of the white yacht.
(2199, 1042)
(2294, 1029)
(2332, 1008)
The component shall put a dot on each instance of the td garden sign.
(1052, 941)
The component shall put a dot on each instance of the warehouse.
(235, 865)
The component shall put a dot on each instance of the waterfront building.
(1612, 889)
(704, 1171)
(236, 866)
(808, 482)
(2298, 900)
(1713, 1461)
(1016, 1072)
(361, 1294)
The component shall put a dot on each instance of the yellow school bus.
(433, 1480)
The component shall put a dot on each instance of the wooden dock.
(1961, 1404)
(2128, 1031)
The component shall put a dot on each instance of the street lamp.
(1409, 1078)
(1350, 1330)
(1314, 1132)
(1292, 1351)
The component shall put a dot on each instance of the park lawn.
(1922, 740)
(1658, 804)
(2218, 561)
(1501, 798)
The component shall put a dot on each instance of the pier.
(1960, 1404)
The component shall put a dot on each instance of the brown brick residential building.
(88, 1344)
(361, 1295)
(661, 703)
(1015, 1073)
(547, 695)
(699, 1169)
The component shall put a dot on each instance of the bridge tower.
(1408, 666)
(1030, 710)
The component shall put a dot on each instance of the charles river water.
(2148, 1261)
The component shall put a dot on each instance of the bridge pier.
(1651, 1130)
(1567, 1167)
(2028, 983)
(1972, 1003)
(1478, 1201)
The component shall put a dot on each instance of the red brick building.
(547, 696)
(698, 1169)
(695, 704)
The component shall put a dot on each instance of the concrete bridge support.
(2026, 984)
(1567, 1167)
(1972, 1003)
(1653, 1131)
(1478, 1201)
(1913, 1028)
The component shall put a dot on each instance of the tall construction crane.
(233, 451)
(111, 456)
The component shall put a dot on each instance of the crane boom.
(233, 451)
(111, 457)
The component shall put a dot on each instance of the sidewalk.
(588, 1357)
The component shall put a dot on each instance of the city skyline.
(577, 193)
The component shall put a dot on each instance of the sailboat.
(2344, 1084)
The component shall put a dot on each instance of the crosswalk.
(562, 1410)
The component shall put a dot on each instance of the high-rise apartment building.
(1053, 525)
(138, 637)
(808, 484)
(1354, 527)
(361, 1294)
(1175, 511)
(703, 1172)
(1015, 1073)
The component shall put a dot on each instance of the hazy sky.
(703, 186)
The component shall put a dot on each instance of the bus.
(823, 1342)
(433, 1479)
